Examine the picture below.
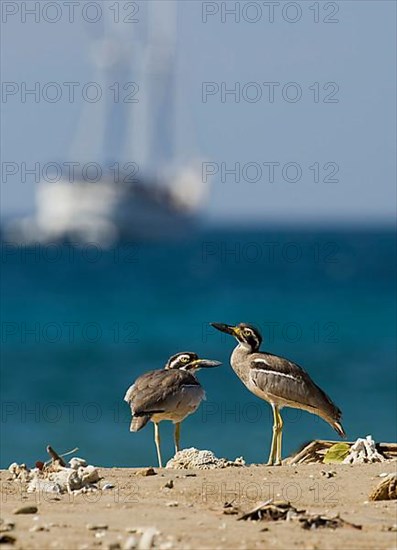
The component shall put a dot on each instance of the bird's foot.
(273, 463)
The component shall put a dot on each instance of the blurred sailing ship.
(150, 185)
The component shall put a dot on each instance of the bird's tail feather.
(138, 422)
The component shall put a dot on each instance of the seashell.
(146, 540)
(77, 462)
(37, 485)
(88, 474)
(13, 468)
(145, 472)
(67, 479)
(130, 543)
(6, 526)
(57, 478)
(19, 471)
(386, 489)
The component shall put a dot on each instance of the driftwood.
(314, 452)
(318, 521)
(284, 511)
(55, 456)
(271, 511)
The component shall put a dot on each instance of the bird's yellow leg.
(279, 437)
(273, 448)
(157, 441)
(177, 436)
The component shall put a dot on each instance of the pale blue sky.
(357, 133)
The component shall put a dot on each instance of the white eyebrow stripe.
(277, 373)
(178, 359)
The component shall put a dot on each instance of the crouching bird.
(279, 381)
(171, 393)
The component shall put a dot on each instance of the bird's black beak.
(229, 329)
(203, 364)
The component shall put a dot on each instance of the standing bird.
(171, 393)
(279, 381)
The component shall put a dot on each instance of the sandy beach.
(187, 509)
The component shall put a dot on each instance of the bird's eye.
(185, 359)
(247, 333)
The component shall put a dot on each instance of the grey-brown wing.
(286, 380)
(154, 390)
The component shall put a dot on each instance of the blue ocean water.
(80, 324)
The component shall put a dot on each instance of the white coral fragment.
(195, 459)
(362, 451)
